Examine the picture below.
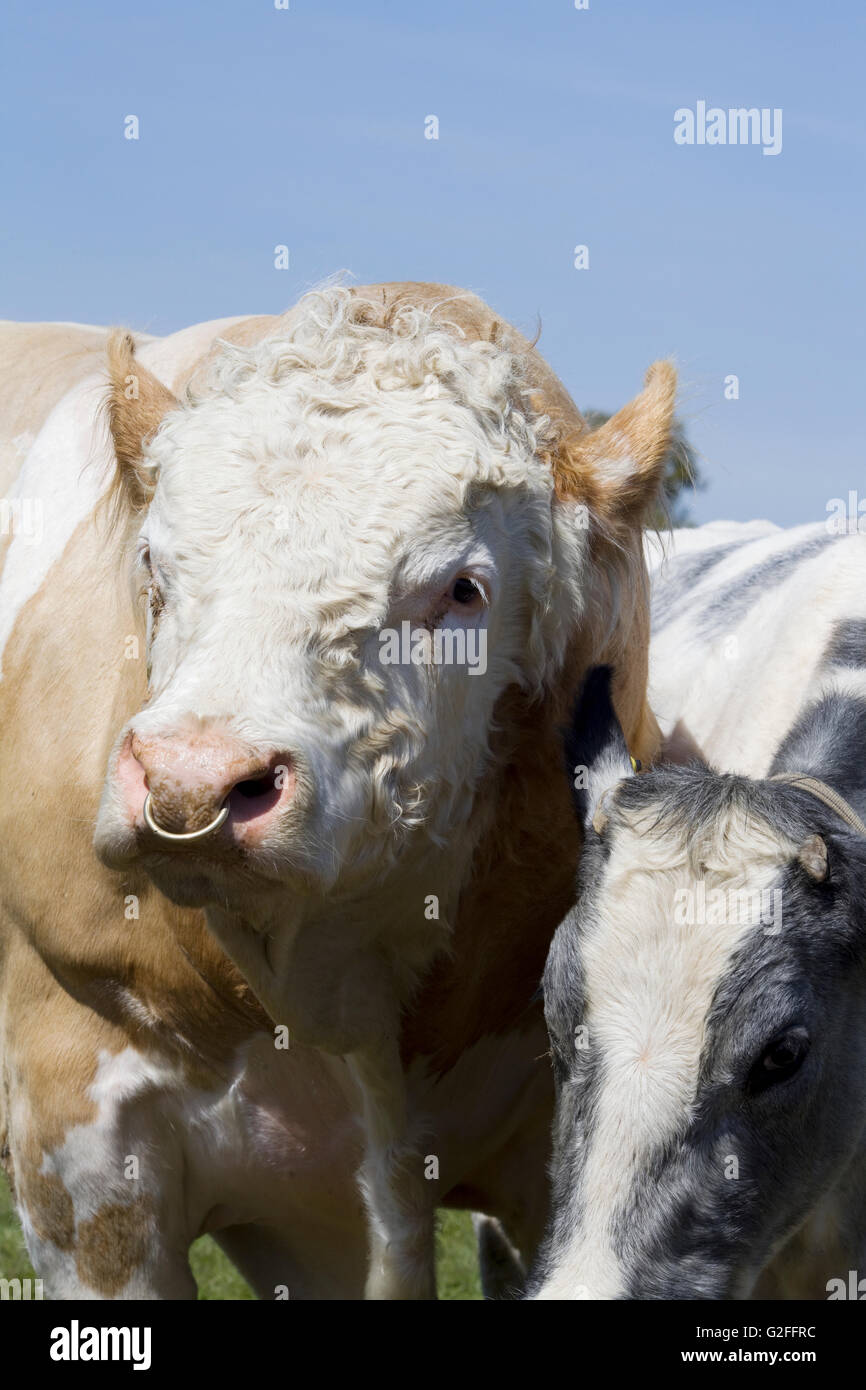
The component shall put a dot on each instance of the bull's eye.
(784, 1056)
(465, 591)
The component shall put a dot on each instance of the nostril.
(255, 798)
(255, 786)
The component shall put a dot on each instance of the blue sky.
(305, 127)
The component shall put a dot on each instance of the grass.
(14, 1263)
(456, 1257)
(218, 1279)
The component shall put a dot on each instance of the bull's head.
(348, 541)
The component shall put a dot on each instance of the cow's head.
(348, 540)
(705, 1002)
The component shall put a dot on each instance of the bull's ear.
(596, 754)
(617, 469)
(137, 404)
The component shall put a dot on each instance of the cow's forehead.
(668, 911)
(364, 484)
(658, 940)
(725, 832)
(356, 419)
(681, 885)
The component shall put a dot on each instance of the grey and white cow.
(706, 998)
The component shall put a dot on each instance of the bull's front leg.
(97, 1173)
(401, 1211)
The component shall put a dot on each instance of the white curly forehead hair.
(351, 475)
(354, 463)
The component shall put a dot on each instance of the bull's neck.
(523, 874)
(337, 968)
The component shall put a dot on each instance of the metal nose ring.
(188, 835)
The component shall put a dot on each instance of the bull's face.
(348, 545)
(334, 604)
(705, 1003)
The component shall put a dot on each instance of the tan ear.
(812, 854)
(617, 469)
(137, 404)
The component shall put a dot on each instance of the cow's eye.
(144, 558)
(784, 1056)
(465, 591)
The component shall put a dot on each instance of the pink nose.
(191, 778)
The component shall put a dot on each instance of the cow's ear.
(617, 469)
(596, 755)
(812, 856)
(137, 404)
